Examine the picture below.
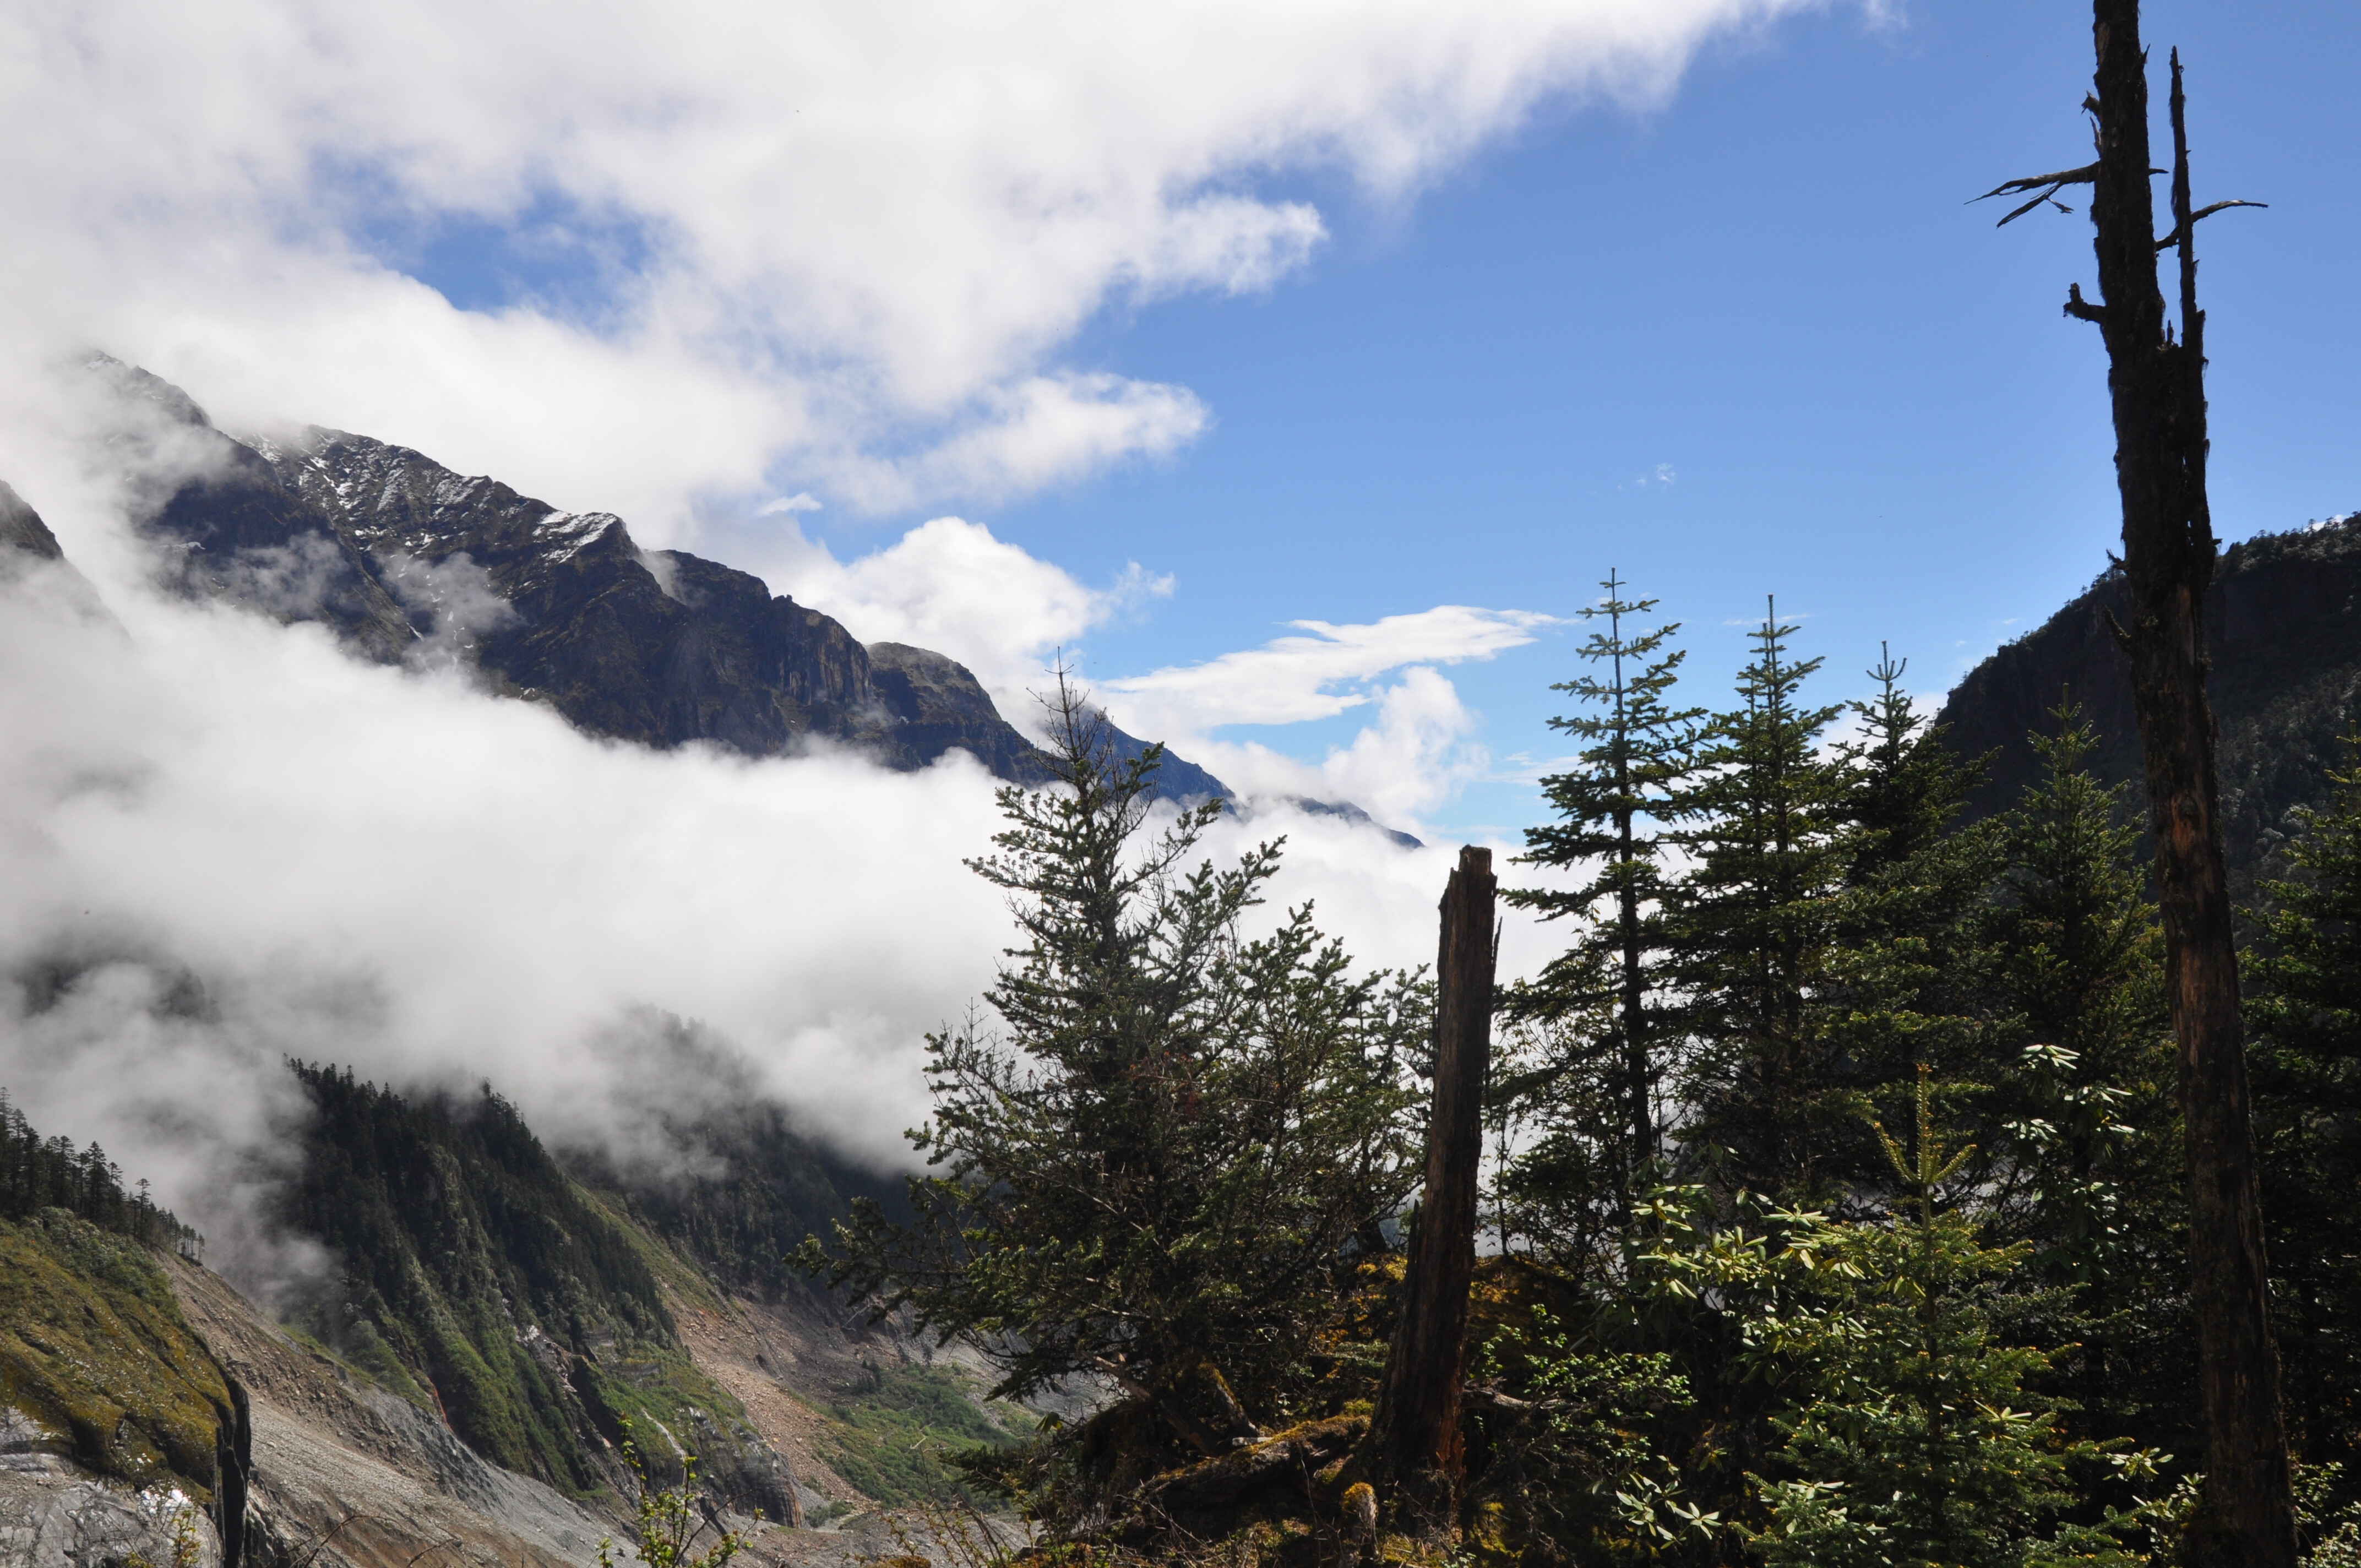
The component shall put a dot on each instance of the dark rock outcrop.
(2283, 624)
(229, 529)
(409, 561)
(29, 551)
(22, 531)
(662, 649)
(939, 705)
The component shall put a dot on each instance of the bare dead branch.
(2081, 308)
(2169, 241)
(2018, 187)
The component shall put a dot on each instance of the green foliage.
(746, 1185)
(1151, 1171)
(95, 1352)
(671, 1521)
(52, 1174)
(1812, 1355)
(2082, 1125)
(2326, 1516)
(1913, 1433)
(1753, 927)
(1910, 979)
(899, 1435)
(1581, 1470)
(2305, 1015)
(1583, 1079)
(478, 1272)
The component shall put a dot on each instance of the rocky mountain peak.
(409, 560)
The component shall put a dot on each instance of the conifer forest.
(1834, 1207)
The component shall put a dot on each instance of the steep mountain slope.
(98, 1367)
(488, 1305)
(28, 548)
(227, 529)
(480, 1281)
(2283, 624)
(408, 560)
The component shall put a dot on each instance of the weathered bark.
(1416, 1443)
(2168, 553)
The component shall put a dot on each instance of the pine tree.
(1587, 1087)
(2306, 1012)
(1150, 1173)
(1753, 929)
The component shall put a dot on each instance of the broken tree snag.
(1416, 1444)
(2158, 389)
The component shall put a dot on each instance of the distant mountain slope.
(232, 532)
(481, 1281)
(473, 1273)
(405, 558)
(2283, 625)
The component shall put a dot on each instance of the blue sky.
(1328, 313)
(1869, 399)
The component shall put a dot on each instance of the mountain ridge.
(407, 560)
(2283, 633)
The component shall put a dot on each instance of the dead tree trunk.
(1416, 1444)
(2159, 388)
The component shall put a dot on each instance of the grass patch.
(892, 1434)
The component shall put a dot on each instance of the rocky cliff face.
(409, 561)
(2283, 624)
(226, 529)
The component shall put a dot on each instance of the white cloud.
(843, 243)
(1029, 436)
(950, 586)
(1291, 679)
(1416, 757)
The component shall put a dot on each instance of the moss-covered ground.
(94, 1350)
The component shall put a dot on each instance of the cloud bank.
(795, 243)
(227, 843)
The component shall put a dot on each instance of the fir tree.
(1753, 929)
(1152, 1171)
(1587, 1083)
(2306, 1012)
(1911, 977)
(1916, 1434)
(2083, 1113)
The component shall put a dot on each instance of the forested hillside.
(97, 1365)
(2283, 625)
(480, 1279)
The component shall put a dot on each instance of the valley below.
(816, 1429)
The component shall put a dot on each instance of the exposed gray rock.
(412, 562)
(51, 1517)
